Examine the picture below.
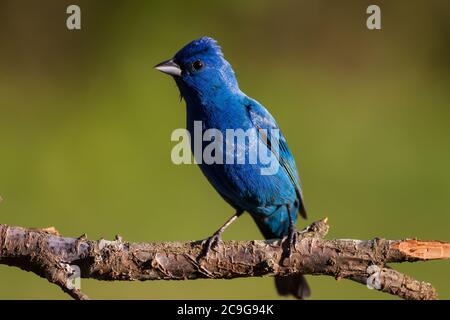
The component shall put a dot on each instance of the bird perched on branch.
(208, 84)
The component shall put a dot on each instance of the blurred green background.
(85, 126)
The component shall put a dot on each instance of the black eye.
(197, 65)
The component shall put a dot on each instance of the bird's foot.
(290, 241)
(209, 244)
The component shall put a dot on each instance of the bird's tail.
(276, 226)
(294, 284)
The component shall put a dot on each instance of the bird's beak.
(169, 67)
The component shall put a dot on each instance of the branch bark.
(49, 255)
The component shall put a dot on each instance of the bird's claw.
(210, 244)
(290, 241)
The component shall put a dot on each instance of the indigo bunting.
(208, 84)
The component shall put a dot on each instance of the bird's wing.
(262, 119)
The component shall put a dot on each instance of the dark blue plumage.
(208, 84)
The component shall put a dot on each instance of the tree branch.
(56, 258)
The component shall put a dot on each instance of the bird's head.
(199, 68)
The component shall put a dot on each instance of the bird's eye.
(197, 65)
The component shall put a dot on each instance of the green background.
(85, 125)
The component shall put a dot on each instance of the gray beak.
(169, 67)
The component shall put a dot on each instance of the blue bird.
(208, 84)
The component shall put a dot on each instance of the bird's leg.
(212, 241)
(292, 234)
